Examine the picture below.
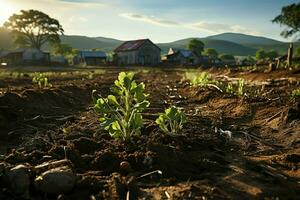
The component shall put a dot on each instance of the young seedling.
(296, 93)
(171, 121)
(120, 114)
(237, 88)
(240, 87)
(41, 80)
(229, 89)
(203, 79)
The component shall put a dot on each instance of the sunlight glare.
(6, 10)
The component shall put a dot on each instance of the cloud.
(215, 27)
(150, 19)
(211, 27)
(84, 2)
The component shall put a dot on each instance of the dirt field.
(261, 159)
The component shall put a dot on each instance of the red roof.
(132, 45)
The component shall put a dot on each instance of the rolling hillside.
(221, 46)
(230, 43)
(255, 42)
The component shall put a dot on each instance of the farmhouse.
(181, 57)
(92, 57)
(24, 56)
(137, 52)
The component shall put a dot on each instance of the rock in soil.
(18, 179)
(56, 181)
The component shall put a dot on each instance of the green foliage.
(296, 93)
(171, 121)
(34, 28)
(211, 53)
(272, 54)
(237, 88)
(260, 54)
(297, 52)
(62, 49)
(203, 79)
(120, 114)
(289, 17)
(196, 46)
(229, 88)
(226, 57)
(41, 80)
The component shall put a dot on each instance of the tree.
(226, 57)
(211, 53)
(297, 52)
(62, 49)
(272, 54)
(289, 17)
(196, 46)
(33, 28)
(260, 54)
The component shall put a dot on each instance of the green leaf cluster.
(41, 80)
(120, 114)
(171, 121)
(296, 93)
(238, 88)
(203, 80)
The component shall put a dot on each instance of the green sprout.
(171, 121)
(120, 114)
(203, 79)
(229, 89)
(240, 87)
(237, 88)
(296, 93)
(41, 80)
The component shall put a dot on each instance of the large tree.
(297, 52)
(34, 28)
(196, 46)
(211, 53)
(62, 49)
(260, 54)
(289, 17)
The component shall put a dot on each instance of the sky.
(159, 20)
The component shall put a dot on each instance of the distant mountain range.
(230, 43)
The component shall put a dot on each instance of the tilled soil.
(230, 148)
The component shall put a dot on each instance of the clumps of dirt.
(35, 105)
(71, 148)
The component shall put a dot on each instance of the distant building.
(91, 58)
(24, 56)
(58, 59)
(185, 57)
(137, 52)
(181, 57)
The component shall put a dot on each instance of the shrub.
(171, 121)
(41, 80)
(120, 114)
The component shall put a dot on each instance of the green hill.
(244, 39)
(230, 43)
(221, 46)
(255, 42)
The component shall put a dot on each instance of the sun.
(6, 10)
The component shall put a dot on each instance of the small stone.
(56, 181)
(125, 166)
(19, 179)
